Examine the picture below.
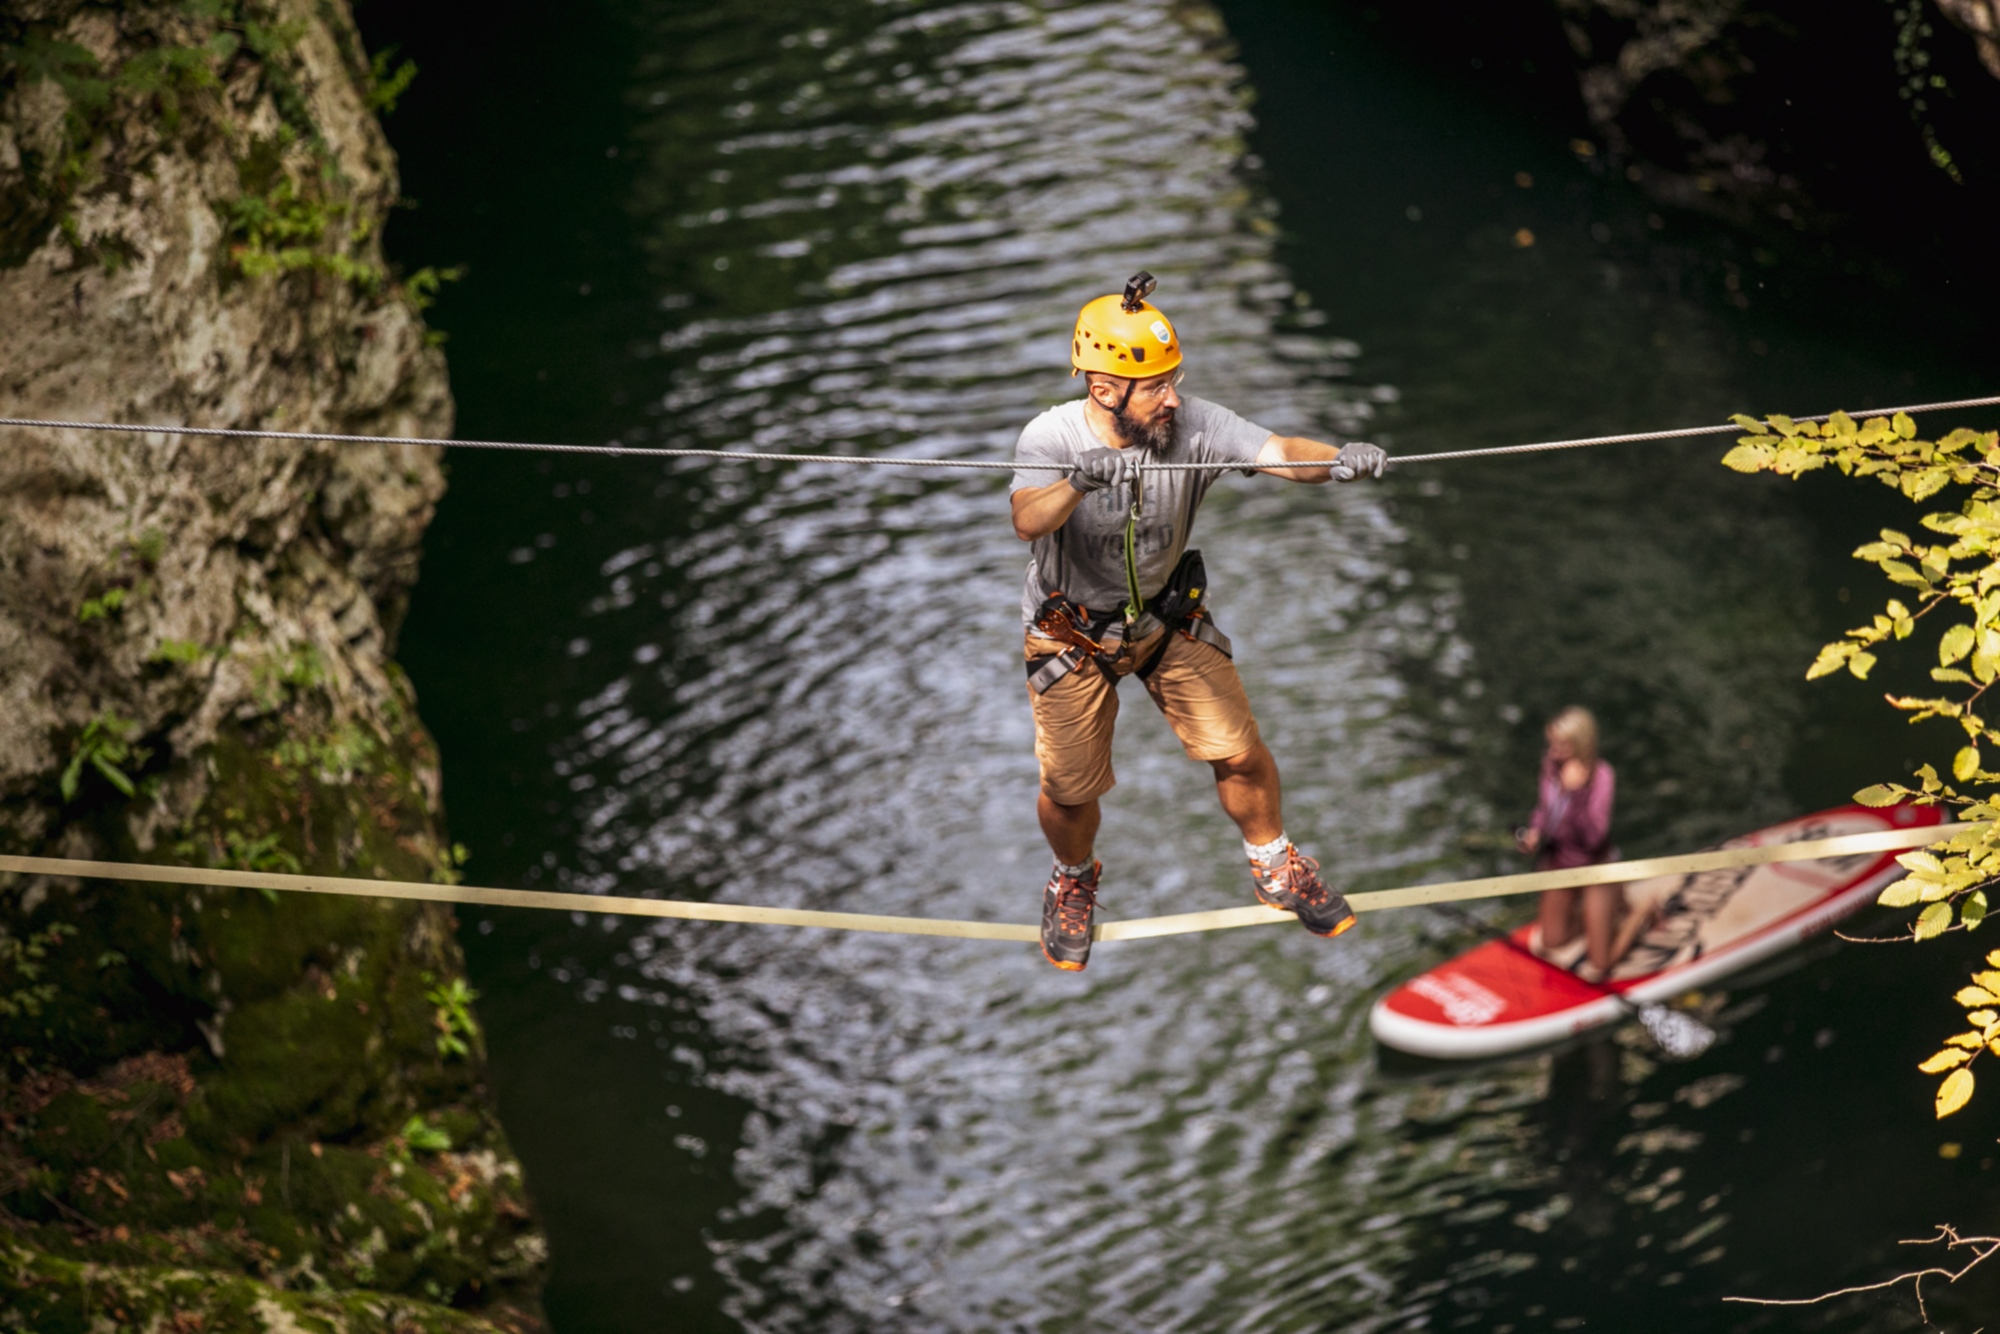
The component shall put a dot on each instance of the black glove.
(1101, 467)
(1358, 458)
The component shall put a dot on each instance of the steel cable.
(891, 461)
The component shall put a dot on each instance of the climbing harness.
(1143, 928)
(1178, 608)
(898, 461)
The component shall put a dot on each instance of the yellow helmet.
(1124, 335)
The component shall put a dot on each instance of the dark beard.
(1158, 437)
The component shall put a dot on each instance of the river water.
(865, 227)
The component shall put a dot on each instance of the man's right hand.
(1101, 467)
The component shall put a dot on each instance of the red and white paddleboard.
(1493, 999)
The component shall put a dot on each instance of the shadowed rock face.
(1981, 18)
(194, 666)
(1720, 99)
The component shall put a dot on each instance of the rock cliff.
(1756, 106)
(223, 1112)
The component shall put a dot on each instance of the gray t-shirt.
(1085, 558)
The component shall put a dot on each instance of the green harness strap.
(1135, 601)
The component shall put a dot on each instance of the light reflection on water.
(835, 721)
(867, 229)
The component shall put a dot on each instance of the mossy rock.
(48, 1294)
(225, 1085)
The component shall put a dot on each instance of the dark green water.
(864, 228)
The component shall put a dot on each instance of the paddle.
(1676, 1033)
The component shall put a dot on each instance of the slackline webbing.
(1141, 928)
(893, 461)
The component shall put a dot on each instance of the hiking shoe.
(1068, 904)
(1291, 882)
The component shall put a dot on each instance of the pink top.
(1575, 826)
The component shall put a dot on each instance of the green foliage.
(182, 651)
(103, 606)
(105, 745)
(263, 853)
(286, 230)
(335, 756)
(296, 673)
(23, 993)
(420, 289)
(149, 546)
(457, 1029)
(1954, 1059)
(71, 67)
(424, 1137)
(1953, 583)
(168, 75)
(1919, 80)
(449, 863)
(385, 86)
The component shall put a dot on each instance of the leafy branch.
(23, 993)
(1954, 578)
(105, 744)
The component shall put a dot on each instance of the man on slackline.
(1113, 591)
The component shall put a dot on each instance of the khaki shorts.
(1195, 686)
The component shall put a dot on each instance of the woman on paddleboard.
(1572, 827)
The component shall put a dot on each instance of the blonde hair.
(1577, 726)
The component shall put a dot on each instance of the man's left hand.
(1358, 458)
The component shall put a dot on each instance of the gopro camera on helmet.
(1138, 289)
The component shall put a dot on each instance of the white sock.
(1078, 871)
(1262, 853)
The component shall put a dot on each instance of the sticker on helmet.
(1163, 333)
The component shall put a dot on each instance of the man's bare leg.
(1249, 789)
(1070, 830)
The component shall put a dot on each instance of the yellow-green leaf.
(1747, 423)
(1932, 921)
(1988, 979)
(1925, 484)
(1861, 664)
(1957, 642)
(1901, 894)
(1955, 1092)
(1969, 997)
(1902, 421)
(1971, 1041)
(1945, 1060)
(1982, 1017)
(1881, 794)
(1994, 958)
(1965, 764)
(1783, 424)
(1973, 911)
(1749, 458)
(1829, 660)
